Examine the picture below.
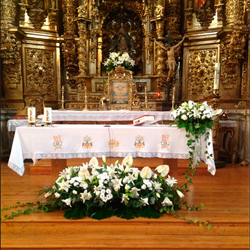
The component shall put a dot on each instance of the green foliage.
(74, 213)
(101, 213)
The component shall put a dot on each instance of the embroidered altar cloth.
(85, 141)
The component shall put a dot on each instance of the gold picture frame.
(119, 89)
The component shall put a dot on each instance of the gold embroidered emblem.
(165, 142)
(57, 142)
(113, 144)
(139, 142)
(87, 143)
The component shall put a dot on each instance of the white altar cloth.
(85, 141)
(93, 116)
(110, 115)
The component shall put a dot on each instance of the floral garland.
(196, 118)
(116, 59)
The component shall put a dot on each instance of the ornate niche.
(201, 72)
(122, 30)
(37, 12)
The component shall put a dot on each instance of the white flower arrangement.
(195, 117)
(120, 189)
(116, 59)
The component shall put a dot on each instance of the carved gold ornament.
(201, 72)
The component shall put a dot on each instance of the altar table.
(85, 141)
(110, 115)
(93, 116)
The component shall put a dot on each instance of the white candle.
(31, 114)
(216, 75)
(47, 115)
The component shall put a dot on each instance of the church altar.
(84, 141)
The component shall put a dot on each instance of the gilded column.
(53, 12)
(173, 18)
(234, 11)
(10, 52)
(82, 51)
(148, 48)
(189, 14)
(22, 10)
(82, 19)
(69, 48)
(159, 53)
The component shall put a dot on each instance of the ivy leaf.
(30, 204)
(27, 211)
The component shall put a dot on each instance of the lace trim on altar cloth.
(37, 156)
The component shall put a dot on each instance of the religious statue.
(171, 63)
(122, 41)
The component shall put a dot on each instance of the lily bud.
(104, 159)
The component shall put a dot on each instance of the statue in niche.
(122, 41)
(122, 31)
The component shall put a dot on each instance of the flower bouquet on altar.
(195, 117)
(121, 190)
(119, 59)
(198, 119)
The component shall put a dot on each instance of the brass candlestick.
(146, 99)
(243, 105)
(62, 100)
(173, 98)
(85, 100)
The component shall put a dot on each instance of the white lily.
(167, 202)
(181, 195)
(64, 185)
(67, 202)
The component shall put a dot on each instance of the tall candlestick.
(146, 98)
(173, 98)
(86, 102)
(216, 76)
(62, 100)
